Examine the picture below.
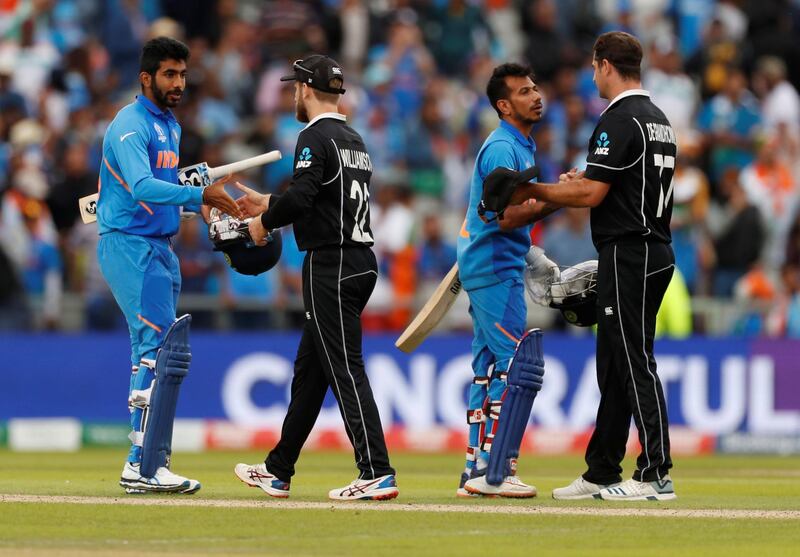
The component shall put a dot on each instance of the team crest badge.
(162, 137)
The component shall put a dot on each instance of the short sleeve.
(310, 157)
(497, 154)
(616, 144)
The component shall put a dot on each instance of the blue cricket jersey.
(486, 254)
(139, 190)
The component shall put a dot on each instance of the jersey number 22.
(362, 210)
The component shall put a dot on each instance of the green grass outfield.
(227, 518)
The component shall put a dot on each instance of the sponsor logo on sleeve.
(602, 144)
(304, 160)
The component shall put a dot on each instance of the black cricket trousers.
(337, 282)
(632, 278)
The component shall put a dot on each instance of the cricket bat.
(431, 313)
(199, 174)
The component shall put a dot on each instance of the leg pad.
(525, 374)
(172, 365)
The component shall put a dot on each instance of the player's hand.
(572, 174)
(216, 196)
(257, 232)
(252, 203)
(498, 189)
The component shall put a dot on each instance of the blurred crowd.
(726, 73)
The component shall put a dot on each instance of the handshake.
(498, 189)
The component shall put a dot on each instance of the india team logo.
(304, 160)
(602, 144)
(162, 137)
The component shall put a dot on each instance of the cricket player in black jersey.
(328, 204)
(628, 185)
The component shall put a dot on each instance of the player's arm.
(129, 146)
(577, 192)
(526, 213)
(616, 145)
(311, 155)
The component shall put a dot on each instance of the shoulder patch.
(304, 158)
(603, 142)
(162, 137)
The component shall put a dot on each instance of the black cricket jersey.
(633, 148)
(328, 198)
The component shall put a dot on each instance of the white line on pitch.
(186, 501)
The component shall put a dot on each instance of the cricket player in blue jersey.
(491, 260)
(138, 211)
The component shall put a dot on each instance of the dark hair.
(159, 49)
(497, 88)
(622, 50)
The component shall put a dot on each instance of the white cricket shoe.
(377, 489)
(511, 486)
(580, 489)
(164, 481)
(631, 490)
(461, 491)
(257, 475)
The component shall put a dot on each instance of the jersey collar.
(149, 105)
(334, 115)
(525, 141)
(627, 93)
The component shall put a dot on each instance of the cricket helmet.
(575, 294)
(231, 236)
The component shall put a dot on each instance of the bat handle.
(228, 169)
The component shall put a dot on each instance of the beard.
(525, 120)
(162, 98)
(300, 110)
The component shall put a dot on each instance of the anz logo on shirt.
(602, 144)
(304, 160)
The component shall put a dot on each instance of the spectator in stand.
(694, 252)
(739, 235)
(715, 60)
(783, 320)
(409, 63)
(287, 29)
(74, 179)
(14, 312)
(436, 256)
(771, 187)
(567, 239)
(578, 131)
(393, 225)
(793, 241)
(755, 293)
(199, 266)
(455, 31)
(428, 141)
(730, 122)
(670, 87)
(780, 103)
(43, 268)
(546, 46)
